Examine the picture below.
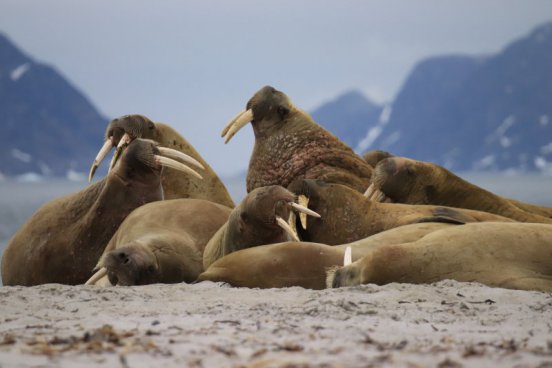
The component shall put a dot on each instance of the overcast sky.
(194, 65)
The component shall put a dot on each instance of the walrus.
(261, 218)
(122, 130)
(416, 182)
(346, 215)
(161, 242)
(64, 238)
(507, 255)
(302, 264)
(375, 156)
(290, 145)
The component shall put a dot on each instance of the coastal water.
(19, 200)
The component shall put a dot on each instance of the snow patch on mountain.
(19, 71)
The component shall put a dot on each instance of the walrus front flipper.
(443, 219)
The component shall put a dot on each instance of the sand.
(447, 324)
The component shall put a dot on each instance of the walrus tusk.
(284, 225)
(238, 123)
(302, 207)
(370, 190)
(225, 130)
(380, 196)
(125, 140)
(292, 221)
(95, 277)
(348, 257)
(107, 146)
(377, 196)
(169, 162)
(172, 153)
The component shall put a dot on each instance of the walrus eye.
(151, 269)
(283, 111)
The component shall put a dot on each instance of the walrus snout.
(130, 266)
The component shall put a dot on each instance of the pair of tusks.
(290, 229)
(374, 194)
(168, 161)
(239, 121)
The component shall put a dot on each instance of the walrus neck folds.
(281, 155)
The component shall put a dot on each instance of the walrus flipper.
(443, 219)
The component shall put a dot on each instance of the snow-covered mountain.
(471, 113)
(49, 128)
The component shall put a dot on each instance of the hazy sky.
(194, 65)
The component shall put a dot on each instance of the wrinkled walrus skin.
(508, 255)
(290, 145)
(162, 242)
(64, 239)
(301, 263)
(416, 182)
(175, 183)
(347, 215)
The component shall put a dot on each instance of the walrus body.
(301, 263)
(508, 255)
(175, 183)
(64, 239)
(290, 145)
(346, 215)
(162, 242)
(415, 182)
(255, 221)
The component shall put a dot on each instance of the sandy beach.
(447, 324)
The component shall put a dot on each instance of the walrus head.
(123, 130)
(403, 180)
(262, 217)
(131, 265)
(267, 111)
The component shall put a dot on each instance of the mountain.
(49, 126)
(469, 113)
(348, 116)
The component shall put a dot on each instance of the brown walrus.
(290, 145)
(122, 130)
(161, 242)
(301, 263)
(64, 239)
(346, 215)
(261, 218)
(508, 255)
(415, 182)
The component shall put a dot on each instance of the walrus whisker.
(370, 190)
(240, 122)
(284, 225)
(95, 277)
(125, 141)
(107, 146)
(348, 256)
(172, 153)
(173, 164)
(225, 130)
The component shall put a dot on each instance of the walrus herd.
(316, 215)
